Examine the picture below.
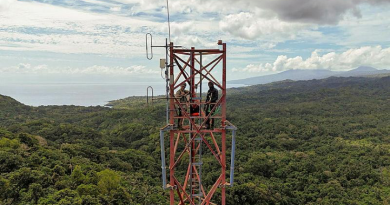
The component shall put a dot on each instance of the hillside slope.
(307, 74)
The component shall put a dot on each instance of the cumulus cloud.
(250, 26)
(286, 19)
(371, 56)
(65, 30)
(34, 26)
(116, 8)
(189, 7)
(303, 11)
(69, 30)
(5, 4)
(188, 41)
(121, 45)
(24, 66)
(102, 3)
(315, 11)
(179, 28)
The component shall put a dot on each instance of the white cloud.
(302, 11)
(68, 30)
(250, 26)
(116, 8)
(65, 30)
(6, 4)
(315, 11)
(27, 68)
(370, 56)
(101, 3)
(33, 26)
(137, 69)
(121, 45)
(24, 66)
(192, 8)
(179, 28)
(188, 41)
(373, 29)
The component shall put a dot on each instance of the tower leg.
(223, 190)
(171, 170)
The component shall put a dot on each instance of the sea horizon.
(79, 93)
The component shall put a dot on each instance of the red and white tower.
(190, 144)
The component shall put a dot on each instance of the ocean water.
(83, 94)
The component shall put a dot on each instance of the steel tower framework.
(193, 140)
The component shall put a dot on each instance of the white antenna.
(169, 23)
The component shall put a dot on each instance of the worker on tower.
(211, 100)
(194, 108)
(184, 96)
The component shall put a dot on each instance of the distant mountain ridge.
(300, 74)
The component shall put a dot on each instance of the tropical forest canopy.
(306, 142)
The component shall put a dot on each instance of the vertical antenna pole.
(193, 149)
(163, 168)
(200, 89)
(232, 157)
(167, 79)
(169, 22)
(223, 191)
(172, 133)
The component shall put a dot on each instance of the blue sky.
(104, 40)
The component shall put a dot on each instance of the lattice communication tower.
(194, 142)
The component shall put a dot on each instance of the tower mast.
(194, 139)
